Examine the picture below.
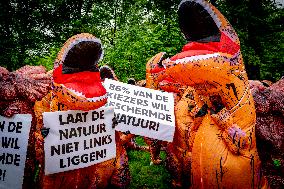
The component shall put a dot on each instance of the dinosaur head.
(213, 50)
(76, 77)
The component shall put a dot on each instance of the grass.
(144, 175)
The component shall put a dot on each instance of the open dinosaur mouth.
(210, 37)
(196, 51)
(82, 55)
(78, 73)
(189, 59)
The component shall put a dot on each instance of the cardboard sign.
(142, 111)
(78, 139)
(14, 138)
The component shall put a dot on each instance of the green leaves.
(133, 31)
(260, 29)
(277, 163)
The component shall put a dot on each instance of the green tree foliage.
(132, 31)
(142, 38)
(259, 24)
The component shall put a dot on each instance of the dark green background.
(132, 31)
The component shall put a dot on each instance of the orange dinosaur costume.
(77, 86)
(214, 144)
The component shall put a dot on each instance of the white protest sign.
(78, 139)
(142, 111)
(13, 149)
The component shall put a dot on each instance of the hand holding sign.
(142, 111)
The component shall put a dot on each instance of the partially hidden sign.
(13, 149)
(78, 139)
(142, 111)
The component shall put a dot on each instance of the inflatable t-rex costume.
(18, 92)
(77, 86)
(214, 145)
(269, 104)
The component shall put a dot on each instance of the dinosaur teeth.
(196, 58)
(169, 63)
(80, 94)
(95, 99)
